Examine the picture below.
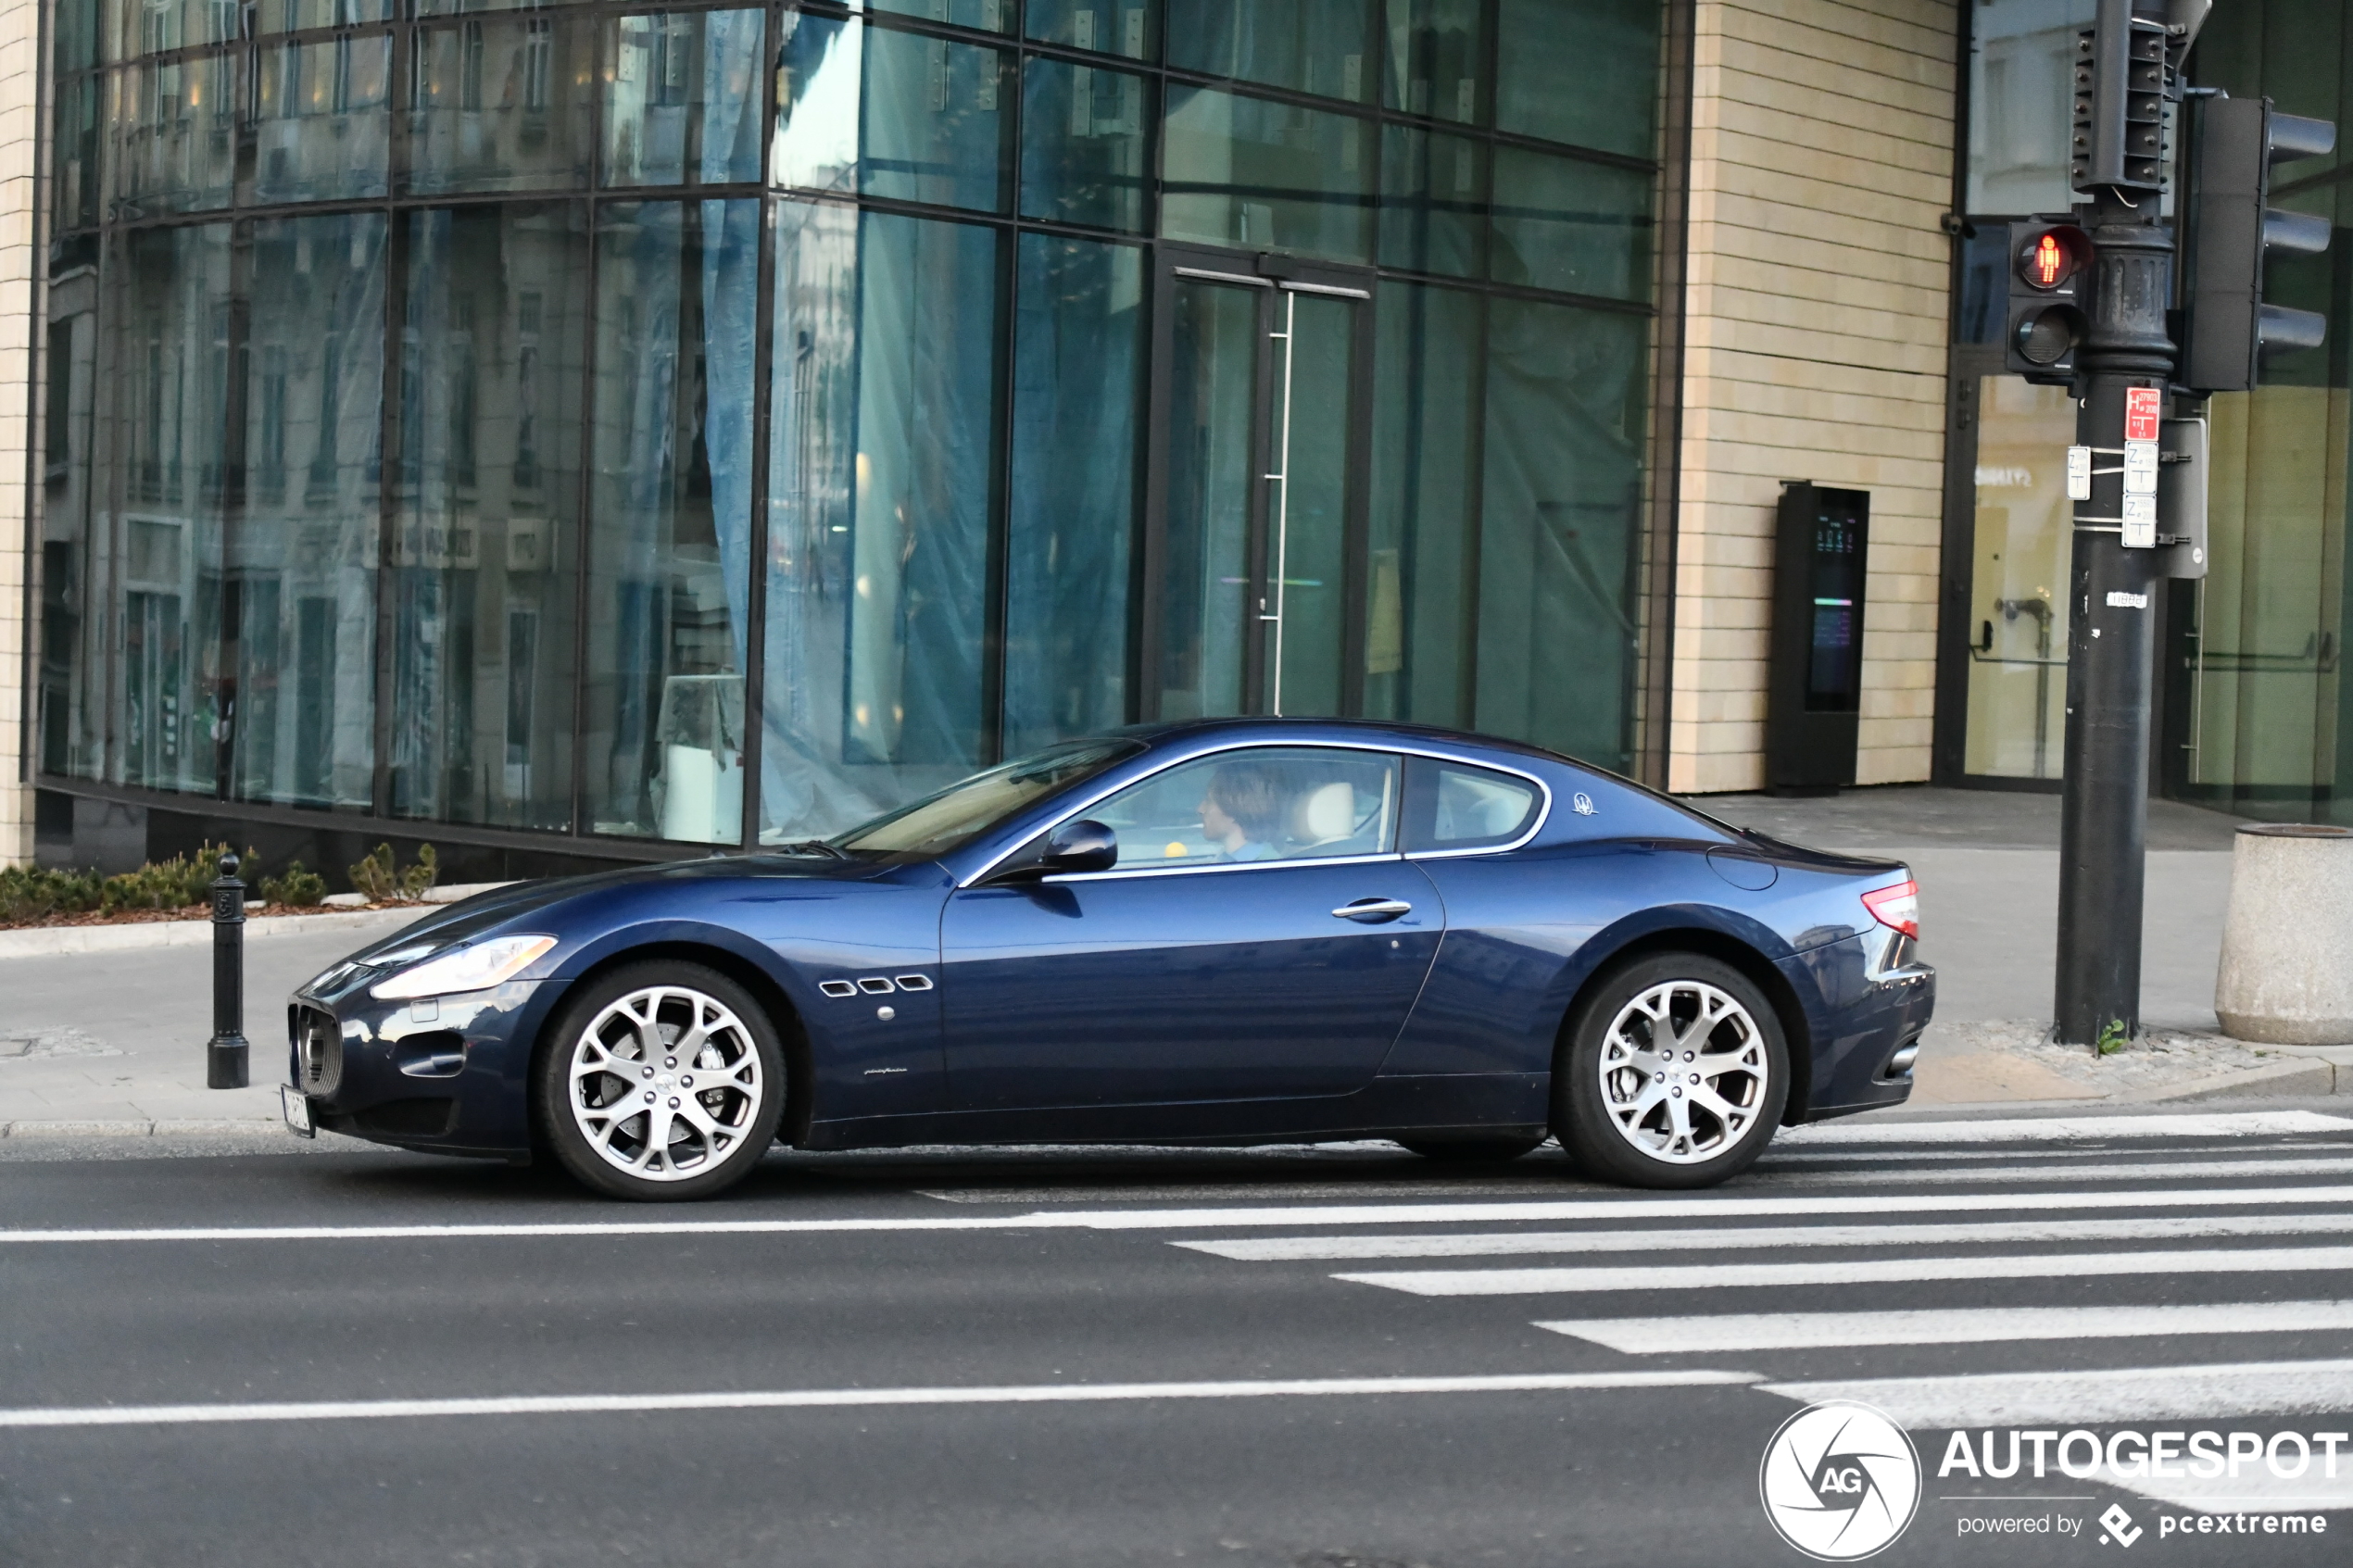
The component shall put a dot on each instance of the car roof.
(1388, 729)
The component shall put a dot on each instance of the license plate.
(298, 1107)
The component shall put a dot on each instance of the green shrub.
(378, 877)
(29, 893)
(172, 884)
(418, 880)
(300, 887)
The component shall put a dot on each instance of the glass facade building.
(619, 430)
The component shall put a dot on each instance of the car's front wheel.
(1673, 1074)
(662, 1081)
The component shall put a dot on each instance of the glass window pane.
(934, 127)
(2021, 92)
(1307, 46)
(1214, 477)
(1078, 338)
(1426, 421)
(881, 472)
(1563, 223)
(501, 105)
(1433, 215)
(154, 27)
(1308, 559)
(1561, 511)
(324, 122)
(495, 326)
(174, 135)
(988, 16)
(2018, 614)
(682, 97)
(1433, 56)
(1454, 805)
(76, 153)
(819, 74)
(291, 15)
(75, 658)
(1083, 158)
(167, 453)
(1580, 71)
(301, 596)
(1115, 27)
(669, 546)
(1266, 176)
(1265, 803)
(75, 27)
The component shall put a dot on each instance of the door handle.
(1373, 911)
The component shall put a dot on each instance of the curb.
(209, 1127)
(46, 942)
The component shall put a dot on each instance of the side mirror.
(1082, 846)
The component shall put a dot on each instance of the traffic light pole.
(2111, 667)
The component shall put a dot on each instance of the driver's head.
(1252, 794)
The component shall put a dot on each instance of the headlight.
(477, 968)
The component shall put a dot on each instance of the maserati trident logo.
(1583, 804)
(1840, 1481)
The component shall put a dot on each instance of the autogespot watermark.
(2136, 1458)
(1840, 1481)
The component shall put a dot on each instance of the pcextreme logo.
(1840, 1481)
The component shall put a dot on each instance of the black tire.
(1623, 1129)
(1471, 1151)
(702, 1150)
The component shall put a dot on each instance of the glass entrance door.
(1256, 504)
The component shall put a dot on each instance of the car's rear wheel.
(1673, 1074)
(1471, 1151)
(662, 1081)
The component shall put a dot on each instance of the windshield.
(939, 824)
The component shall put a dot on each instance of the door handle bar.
(1373, 910)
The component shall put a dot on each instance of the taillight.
(1897, 907)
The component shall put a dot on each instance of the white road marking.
(2152, 1170)
(2237, 1124)
(1496, 1243)
(1888, 1157)
(1604, 1209)
(1851, 1271)
(2094, 1398)
(1945, 1325)
(851, 1399)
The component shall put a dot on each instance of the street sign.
(2141, 413)
(2079, 473)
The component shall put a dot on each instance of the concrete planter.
(2286, 975)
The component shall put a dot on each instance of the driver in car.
(1243, 810)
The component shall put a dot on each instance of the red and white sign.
(2140, 413)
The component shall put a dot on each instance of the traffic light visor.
(2050, 259)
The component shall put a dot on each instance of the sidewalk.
(103, 1043)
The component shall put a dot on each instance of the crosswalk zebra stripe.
(2153, 1170)
(1496, 1243)
(1849, 1272)
(2092, 1398)
(1962, 1325)
(2051, 1129)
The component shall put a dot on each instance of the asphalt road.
(1084, 1358)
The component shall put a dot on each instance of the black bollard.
(224, 1062)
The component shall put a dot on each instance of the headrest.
(1323, 814)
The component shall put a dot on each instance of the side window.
(1456, 805)
(1263, 803)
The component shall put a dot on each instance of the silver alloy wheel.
(1684, 1071)
(665, 1083)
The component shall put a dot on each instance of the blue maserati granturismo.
(1223, 932)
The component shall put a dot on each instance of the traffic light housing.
(2123, 65)
(2226, 326)
(2050, 270)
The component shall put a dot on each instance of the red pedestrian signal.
(2050, 258)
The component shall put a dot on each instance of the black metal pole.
(2104, 822)
(224, 1063)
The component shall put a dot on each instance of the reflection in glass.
(682, 98)
(1204, 608)
(501, 105)
(74, 651)
(881, 470)
(1266, 176)
(1114, 27)
(819, 72)
(1426, 421)
(935, 126)
(1307, 46)
(324, 126)
(1433, 57)
(1083, 154)
(1562, 506)
(669, 540)
(134, 28)
(2017, 599)
(1608, 48)
(300, 599)
(1563, 223)
(1433, 215)
(174, 133)
(494, 324)
(291, 15)
(164, 446)
(2022, 66)
(988, 16)
(1077, 339)
(1309, 564)
(75, 153)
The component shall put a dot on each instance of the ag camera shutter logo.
(1840, 1481)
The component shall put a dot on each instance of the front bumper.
(448, 1075)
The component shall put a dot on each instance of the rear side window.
(1456, 805)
